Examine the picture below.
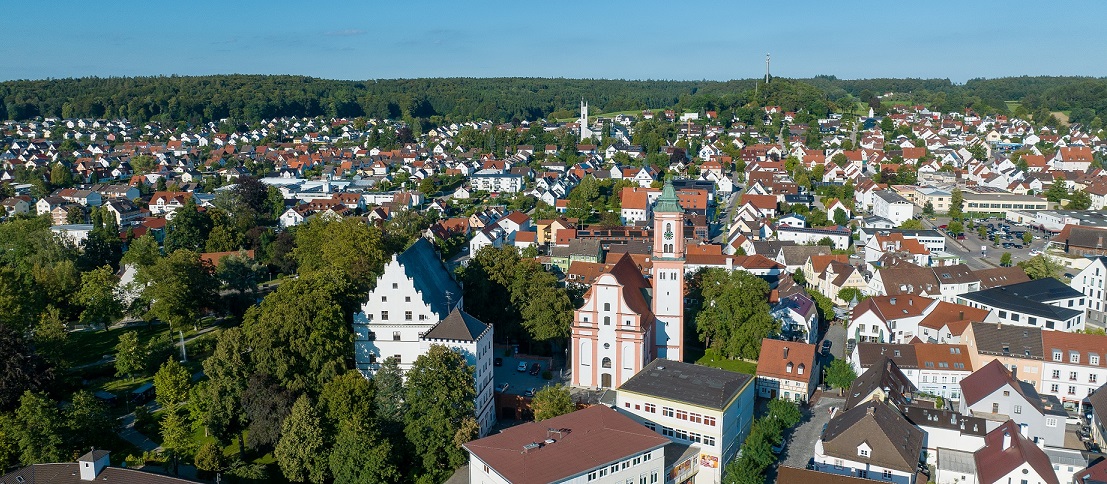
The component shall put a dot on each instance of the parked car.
(535, 369)
(502, 388)
(530, 392)
(522, 368)
(1072, 420)
(1034, 252)
(498, 361)
(778, 448)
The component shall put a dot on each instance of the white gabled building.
(415, 304)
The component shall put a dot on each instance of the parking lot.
(519, 382)
(969, 249)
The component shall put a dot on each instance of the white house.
(472, 339)
(1092, 282)
(1046, 303)
(890, 205)
(1075, 365)
(992, 392)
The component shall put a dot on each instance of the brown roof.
(893, 307)
(458, 326)
(819, 262)
(993, 461)
(760, 202)
(1000, 276)
(992, 377)
(1008, 340)
(1079, 236)
(583, 272)
(1084, 344)
(776, 355)
(947, 313)
(871, 354)
(947, 357)
(634, 286)
(585, 440)
(214, 258)
(69, 472)
(894, 442)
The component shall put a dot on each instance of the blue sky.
(605, 39)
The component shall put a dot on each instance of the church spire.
(668, 201)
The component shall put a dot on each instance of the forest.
(430, 102)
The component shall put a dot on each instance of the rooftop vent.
(531, 446)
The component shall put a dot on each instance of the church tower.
(585, 131)
(668, 274)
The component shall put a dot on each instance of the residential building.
(994, 394)
(892, 206)
(883, 382)
(593, 445)
(491, 180)
(946, 428)
(1009, 456)
(705, 407)
(472, 339)
(787, 370)
(168, 202)
(887, 319)
(933, 240)
(1075, 366)
(1092, 282)
(1017, 348)
(798, 317)
(840, 238)
(1097, 417)
(935, 369)
(1045, 303)
(871, 441)
(93, 466)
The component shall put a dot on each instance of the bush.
(546, 375)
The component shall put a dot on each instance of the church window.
(606, 363)
(606, 306)
(607, 320)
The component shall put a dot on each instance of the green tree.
(1040, 267)
(840, 374)
(142, 252)
(439, 397)
(130, 357)
(51, 337)
(840, 159)
(785, 412)
(40, 434)
(209, 458)
(552, 401)
(735, 315)
(266, 406)
(955, 227)
(99, 298)
(348, 400)
(389, 398)
(349, 245)
(61, 176)
(956, 203)
(88, 421)
(1005, 259)
(142, 164)
(996, 240)
(840, 217)
(189, 228)
(1079, 200)
(982, 232)
(172, 383)
(928, 208)
(359, 455)
(299, 333)
(848, 294)
(911, 224)
(176, 437)
(1058, 190)
(1027, 238)
(227, 369)
(301, 452)
(181, 286)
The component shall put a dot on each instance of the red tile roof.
(993, 461)
(587, 439)
(776, 355)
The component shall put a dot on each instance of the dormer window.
(788, 368)
(799, 369)
(1074, 357)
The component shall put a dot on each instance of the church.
(627, 320)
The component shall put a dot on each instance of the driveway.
(517, 381)
(836, 335)
(800, 447)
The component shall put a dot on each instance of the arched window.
(607, 320)
(788, 368)
(799, 369)
(606, 363)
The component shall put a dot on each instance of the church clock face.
(668, 232)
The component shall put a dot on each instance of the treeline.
(248, 98)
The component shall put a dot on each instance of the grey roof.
(1098, 401)
(998, 339)
(891, 197)
(458, 326)
(798, 254)
(65, 473)
(770, 247)
(1046, 289)
(684, 382)
(433, 282)
(588, 247)
(957, 461)
(870, 354)
(885, 376)
(895, 442)
(946, 419)
(93, 456)
(1025, 298)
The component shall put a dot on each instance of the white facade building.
(892, 206)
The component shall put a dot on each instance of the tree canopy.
(735, 314)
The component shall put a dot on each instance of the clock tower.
(668, 274)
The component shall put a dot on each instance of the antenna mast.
(766, 68)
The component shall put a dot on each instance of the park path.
(127, 431)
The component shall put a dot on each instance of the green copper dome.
(668, 202)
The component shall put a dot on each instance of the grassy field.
(1012, 105)
(633, 112)
(710, 358)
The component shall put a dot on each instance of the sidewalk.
(127, 432)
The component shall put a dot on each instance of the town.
(880, 291)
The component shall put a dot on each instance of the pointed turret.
(668, 201)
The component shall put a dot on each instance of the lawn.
(711, 358)
(1012, 105)
(90, 346)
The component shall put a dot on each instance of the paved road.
(127, 431)
(801, 443)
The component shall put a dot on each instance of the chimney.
(961, 315)
(1006, 441)
(785, 352)
(871, 410)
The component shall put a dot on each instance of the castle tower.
(668, 274)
